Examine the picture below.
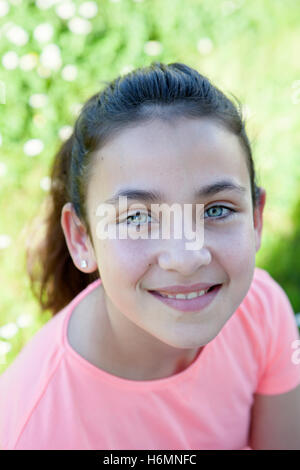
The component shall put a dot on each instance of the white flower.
(3, 169)
(17, 35)
(88, 9)
(23, 320)
(28, 61)
(10, 60)
(45, 4)
(79, 26)
(126, 69)
(43, 32)
(204, 45)
(5, 241)
(50, 57)
(65, 10)
(5, 347)
(45, 183)
(65, 132)
(9, 330)
(75, 109)
(33, 147)
(153, 48)
(69, 72)
(38, 100)
(4, 7)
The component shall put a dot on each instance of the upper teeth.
(191, 295)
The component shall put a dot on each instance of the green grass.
(254, 55)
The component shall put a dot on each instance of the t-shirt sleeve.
(281, 368)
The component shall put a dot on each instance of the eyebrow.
(152, 196)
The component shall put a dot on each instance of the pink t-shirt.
(52, 398)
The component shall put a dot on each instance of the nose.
(174, 256)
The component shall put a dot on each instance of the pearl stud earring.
(83, 263)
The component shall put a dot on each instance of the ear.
(258, 218)
(77, 239)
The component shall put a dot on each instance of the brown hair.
(159, 90)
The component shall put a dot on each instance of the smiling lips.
(194, 301)
(197, 289)
(191, 295)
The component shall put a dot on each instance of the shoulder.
(269, 300)
(264, 312)
(271, 328)
(264, 297)
(263, 283)
(25, 380)
(30, 382)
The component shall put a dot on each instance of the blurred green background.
(53, 56)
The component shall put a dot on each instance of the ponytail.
(54, 278)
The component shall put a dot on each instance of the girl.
(124, 363)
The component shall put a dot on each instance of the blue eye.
(136, 214)
(232, 211)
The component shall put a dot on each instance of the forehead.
(172, 157)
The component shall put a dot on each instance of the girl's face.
(175, 160)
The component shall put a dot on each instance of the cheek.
(236, 254)
(122, 261)
(235, 247)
